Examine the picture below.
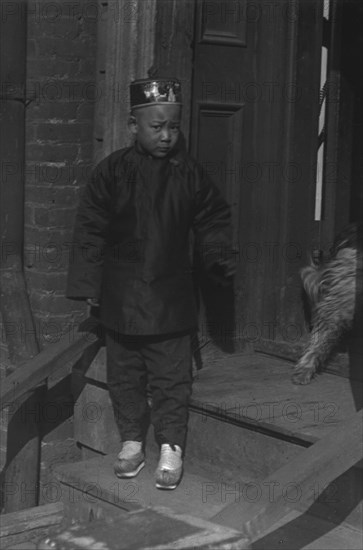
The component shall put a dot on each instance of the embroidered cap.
(155, 90)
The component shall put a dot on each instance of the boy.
(132, 243)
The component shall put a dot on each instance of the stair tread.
(196, 495)
(157, 528)
(257, 389)
(306, 532)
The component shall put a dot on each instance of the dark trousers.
(165, 364)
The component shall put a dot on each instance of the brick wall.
(61, 91)
(59, 126)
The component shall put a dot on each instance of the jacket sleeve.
(89, 238)
(212, 225)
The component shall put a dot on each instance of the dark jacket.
(131, 246)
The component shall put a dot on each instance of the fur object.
(334, 288)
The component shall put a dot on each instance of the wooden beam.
(31, 518)
(35, 371)
(23, 529)
(294, 483)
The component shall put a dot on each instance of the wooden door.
(223, 75)
(246, 102)
(250, 73)
(223, 65)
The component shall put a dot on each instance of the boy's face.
(156, 128)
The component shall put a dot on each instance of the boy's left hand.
(222, 273)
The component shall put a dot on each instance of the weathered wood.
(17, 319)
(158, 529)
(31, 518)
(340, 363)
(32, 373)
(91, 483)
(94, 423)
(322, 462)
(256, 390)
(306, 532)
(173, 48)
(128, 54)
(20, 482)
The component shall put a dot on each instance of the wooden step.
(23, 527)
(246, 421)
(299, 531)
(324, 461)
(85, 483)
(142, 515)
(90, 491)
(150, 529)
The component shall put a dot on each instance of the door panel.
(219, 148)
(245, 105)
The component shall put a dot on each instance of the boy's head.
(155, 115)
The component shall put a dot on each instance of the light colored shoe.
(130, 460)
(170, 467)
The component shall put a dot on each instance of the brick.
(58, 27)
(86, 150)
(59, 196)
(29, 214)
(51, 153)
(54, 217)
(61, 323)
(59, 47)
(63, 133)
(86, 111)
(62, 174)
(44, 90)
(30, 132)
(87, 10)
(51, 256)
(87, 67)
(45, 260)
(42, 237)
(89, 26)
(50, 303)
(55, 67)
(47, 12)
(62, 110)
(47, 281)
(31, 48)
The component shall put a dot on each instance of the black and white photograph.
(181, 274)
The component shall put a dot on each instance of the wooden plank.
(256, 390)
(306, 532)
(33, 372)
(31, 518)
(322, 462)
(152, 529)
(94, 423)
(88, 482)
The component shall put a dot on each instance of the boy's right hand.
(222, 273)
(93, 302)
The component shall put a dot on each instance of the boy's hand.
(93, 302)
(222, 273)
(93, 307)
(229, 266)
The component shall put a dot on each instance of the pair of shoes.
(130, 460)
(170, 467)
